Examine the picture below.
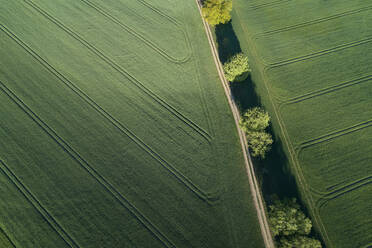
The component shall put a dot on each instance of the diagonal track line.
(85, 165)
(38, 206)
(123, 72)
(335, 134)
(318, 54)
(327, 90)
(6, 235)
(140, 36)
(123, 129)
(312, 22)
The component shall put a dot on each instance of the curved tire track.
(141, 37)
(187, 182)
(123, 72)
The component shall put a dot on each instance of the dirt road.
(255, 190)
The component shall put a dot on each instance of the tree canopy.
(299, 241)
(237, 68)
(255, 119)
(259, 143)
(286, 218)
(254, 122)
(217, 11)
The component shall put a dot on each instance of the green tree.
(237, 68)
(286, 218)
(299, 241)
(254, 119)
(259, 143)
(217, 11)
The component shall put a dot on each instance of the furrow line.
(316, 54)
(361, 181)
(309, 23)
(171, 19)
(324, 200)
(334, 134)
(187, 182)
(6, 235)
(337, 188)
(87, 167)
(139, 36)
(327, 90)
(156, 10)
(264, 5)
(37, 205)
(123, 72)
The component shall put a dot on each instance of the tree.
(259, 143)
(253, 123)
(286, 218)
(237, 68)
(217, 11)
(299, 241)
(254, 119)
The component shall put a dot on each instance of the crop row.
(327, 90)
(122, 128)
(2, 232)
(333, 135)
(37, 205)
(326, 198)
(141, 37)
(270, 4)
(86, 166)
(312, 22)
(310, 56)
(126, 74)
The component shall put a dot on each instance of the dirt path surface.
(255, 190)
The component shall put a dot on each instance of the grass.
(311, 70)
(115, 131)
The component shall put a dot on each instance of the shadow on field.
(228, 43)
(273, 172)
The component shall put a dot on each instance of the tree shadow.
(274, 172)
(244, 94)
(227, 42)
(276, 175)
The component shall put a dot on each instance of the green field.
(115, 130)
(312, 69)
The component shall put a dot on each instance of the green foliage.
(237, 68)
(299, 241)
(255, 119)
(286, 218)
(253, 123)
(259, 143)
(217, 11)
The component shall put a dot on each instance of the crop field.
(312, 69)
(115, 130)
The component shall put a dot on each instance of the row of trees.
(237, 69)
(289, 224)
